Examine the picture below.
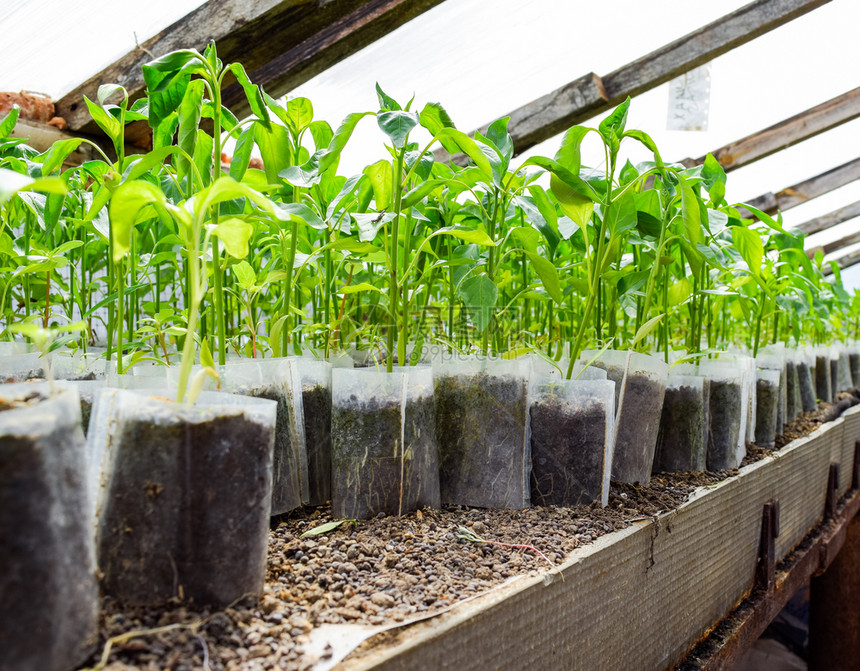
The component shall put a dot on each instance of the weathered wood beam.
(802, 192)
(830, 219)
(281, 44)
(803, 126)
(40, 136)
(548, 115)
(841, 243)
(843, 262)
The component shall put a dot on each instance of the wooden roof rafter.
(281, 44)
(591, 94)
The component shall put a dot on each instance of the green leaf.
(645, 329)
(764, 217)
(715, 179)
(242, 153)
(612, 127)
(386, 102)
(12, 182)
(128, 201)
(252, 92)
(107, 122)
(9, 121)
(569, 154)
(379, 174)
(165, 90)
(479, 294)
(274, 144)
(245, 275)
(397, 125)
(748, 243)
(358, 288)
(206, 358)
(323, 528)
(571, 201)
(235, 234)
(462, 143)
(621, 216)
(369, 223)
(548, 275)
(189, 120)
(58, 153)
(691, 213)
(679, 292)
(498, 135)
(434, 118)
(300, 114)
(416, 195)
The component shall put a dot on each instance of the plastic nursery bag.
(726, 410)
(806, 369)
(315, 381)
(49, 609)
(185, 493)
(640, 385)
(277, 380)
(482, 424)
(823, 388)
(767, 404)
(772, 357)
(384, 452)
(22, 367)
(682, 440)
(572, 437)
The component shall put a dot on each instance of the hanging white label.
(689, 100)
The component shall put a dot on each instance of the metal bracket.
(855, 479)
(766, 566)
(832, 499)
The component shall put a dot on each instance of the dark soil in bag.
(48, 591)
(792, 392)
(725, 419)
(854, 364)
(372, 473)
(681, 442)
(807, 387)
(568, 445)
(767, 404)
(484, 453)
(822, 379)
(316, 406)
(286, 469)
(186, 512)
(639, 425)
(834, 378)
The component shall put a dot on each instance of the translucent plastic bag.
(49, 605)
(384, 452)
(640, 385)
(767, 403)
(184, 494)
(482, 424)
(682, 440)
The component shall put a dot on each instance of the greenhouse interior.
(270, 264)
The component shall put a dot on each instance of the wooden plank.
(40, 136)
(554, 112)
(636, 599)
(802, 192)
(843, 262)
(803, 126)
(830, 219)
(281, 43)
